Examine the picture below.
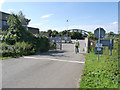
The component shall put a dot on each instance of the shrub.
(19, 36)
(42, 44)
(21, 48)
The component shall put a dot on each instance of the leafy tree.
(13, 34)
(76, 35)
(91, 35)
(49, 32)
(110, 34)
(54, 33)
(69, 34)
(84, 35)
(65, 33)
(17, 32)
(22, 18)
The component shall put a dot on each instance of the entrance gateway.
(56, 41)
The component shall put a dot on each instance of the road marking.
(52, 59)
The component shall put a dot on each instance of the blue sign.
(107, 42)
(98, 50)
(99, 31)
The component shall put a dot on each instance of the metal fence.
(56, 41)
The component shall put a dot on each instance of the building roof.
(77, 30)
(4, 12)
(33, 28)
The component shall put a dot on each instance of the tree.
(65, 33)
(110, 35)
(22, 19)
(13, 34)
(76, 35)
(54, 33)
(91, 35)
(17, 32)
(49, 32)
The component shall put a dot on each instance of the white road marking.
(55, 59)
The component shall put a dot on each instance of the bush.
(19, 36)
(21, 48)
(24, 48)
(42, 44)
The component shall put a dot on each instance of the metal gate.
(57, 41)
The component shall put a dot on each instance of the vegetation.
(18, 36)
(19, 50)
(103, 73)
(54, 33)
(73, 34)
(111, 35)
(91, 35)
(64, 33)
(77, 35)
(42, 44)
(50, 32)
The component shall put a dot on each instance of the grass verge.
(103, 73)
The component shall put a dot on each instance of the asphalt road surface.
(55, 69)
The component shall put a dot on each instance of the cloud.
(11, 10)
(1, 2)
(47, 16)
(21, 9)
(114, 23)
(91, 28)
(36, 25)
(108, 27)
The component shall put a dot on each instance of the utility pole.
(67, 23)
(67, 26)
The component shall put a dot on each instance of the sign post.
(99, 33)
(98, 43)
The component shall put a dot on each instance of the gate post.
(86, 45)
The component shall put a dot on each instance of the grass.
(102, 73)
(3, 58)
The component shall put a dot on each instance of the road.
(55, 69)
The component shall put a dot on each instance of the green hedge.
(19, 36)
(21, 48)
(41, 44)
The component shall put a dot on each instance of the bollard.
(110, 47)
(8, 51)
(14, 50)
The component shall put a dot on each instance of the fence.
(56, 41)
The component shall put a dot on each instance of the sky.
(80, 15)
